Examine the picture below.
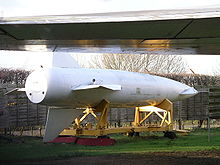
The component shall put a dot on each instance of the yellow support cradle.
(164, 111)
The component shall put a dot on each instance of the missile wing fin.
(57, 120)
(15, 90)
(87, 87)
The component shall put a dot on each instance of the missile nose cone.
(189, 92)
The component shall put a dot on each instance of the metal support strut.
(164, 111)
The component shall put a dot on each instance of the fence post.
(209, 135)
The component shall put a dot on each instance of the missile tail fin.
(57, 120)
(64, 60)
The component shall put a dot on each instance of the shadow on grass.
(14, 148)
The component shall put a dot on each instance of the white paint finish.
(136, 88)
(36, 86)
(187, 93)
(111, 87)
(57, 120)
(68, 87)
(64, 60)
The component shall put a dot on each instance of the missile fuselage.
(81, 87)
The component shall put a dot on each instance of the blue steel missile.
(81, 87)
(66, 89)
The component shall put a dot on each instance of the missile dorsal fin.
(64, 60)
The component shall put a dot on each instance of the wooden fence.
(17, 111)
(4, 115)
(214, 103)
(194, 108)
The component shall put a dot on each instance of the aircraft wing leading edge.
(197, 31)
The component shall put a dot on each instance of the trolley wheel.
(170, 135)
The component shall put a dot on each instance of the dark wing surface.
(195, 31)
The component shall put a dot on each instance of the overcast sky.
(200, 64)
(45, 7)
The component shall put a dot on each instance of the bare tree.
(163, 64)
(167, 64)
(13, 76)
(216, 68)
(194, 79)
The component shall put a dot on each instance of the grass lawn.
(22, 148)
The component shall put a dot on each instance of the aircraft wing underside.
(174, 32)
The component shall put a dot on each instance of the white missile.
(80, 87)
(67, 87)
